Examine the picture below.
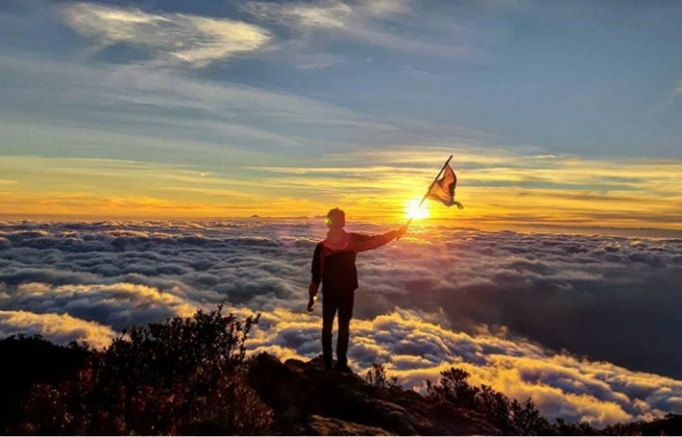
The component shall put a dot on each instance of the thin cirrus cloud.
(330, 15)
(324, 14)
(378, 23)
(191, 39)
(124, 188)
(160, 106)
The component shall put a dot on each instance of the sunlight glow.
(637, 192)
(413, 211)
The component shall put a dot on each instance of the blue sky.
(224, 87)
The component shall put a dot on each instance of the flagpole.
(427, 193)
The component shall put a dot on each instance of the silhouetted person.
(334, 266)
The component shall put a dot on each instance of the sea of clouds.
(585, 325)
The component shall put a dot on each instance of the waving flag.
(443, 190)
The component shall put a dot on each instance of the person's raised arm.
(316, 273)
(362, 242)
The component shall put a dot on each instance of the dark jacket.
(336, 269)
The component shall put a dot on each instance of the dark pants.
(331, 302)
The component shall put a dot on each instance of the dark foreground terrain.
(193, 376)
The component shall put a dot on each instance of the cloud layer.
(512, 308)
(415, 349)
(60, 328)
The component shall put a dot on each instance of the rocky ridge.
(307, 400)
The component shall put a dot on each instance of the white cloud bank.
(415, 349)
(499, 304)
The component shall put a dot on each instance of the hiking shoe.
(343, 368)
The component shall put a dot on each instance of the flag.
(443, 189)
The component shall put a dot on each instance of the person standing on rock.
(334, 266)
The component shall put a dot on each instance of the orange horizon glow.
(524, 191)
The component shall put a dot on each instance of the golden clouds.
(499, 189)
(59, 327)
(100, 188)
(414, 350)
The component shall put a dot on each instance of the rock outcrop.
(309, 401)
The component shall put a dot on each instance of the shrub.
(526, 419)
(184, 376)
(510, 416)
(453, 387)
(377, 377)
(31, 359)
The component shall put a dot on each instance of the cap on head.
(336, 218)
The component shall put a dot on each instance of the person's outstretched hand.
(311, 303)
(402, 230)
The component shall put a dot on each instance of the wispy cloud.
(86, 186)
(380, 23)
(190, 39)
(325, 13)
(163, 106)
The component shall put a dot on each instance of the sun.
(413, 211)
